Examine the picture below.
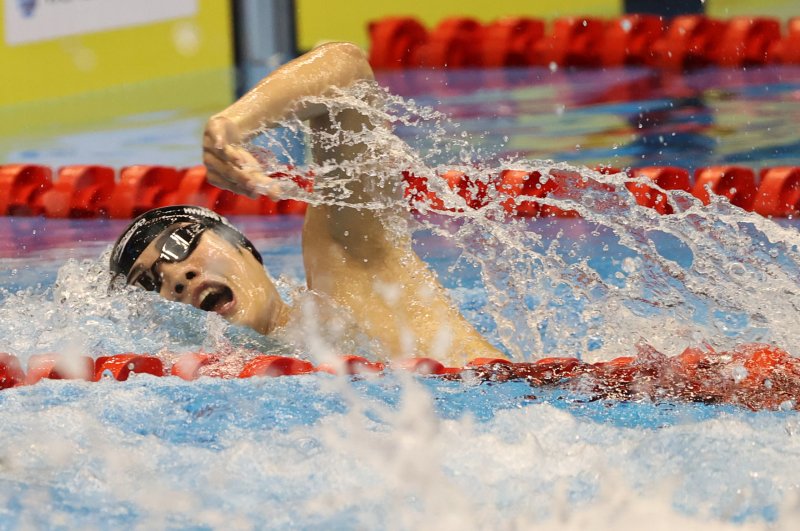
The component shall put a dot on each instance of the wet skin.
(350, 255)
(221, 277)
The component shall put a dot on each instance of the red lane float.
(395, 41)
(194, 189)
(757, 376)
(122, 365)
(573, 41)
(419, 195)
(746, 41)
(142, 188)
(778, 194)
(89, 191)
(687, 41)
(352, 365)
(454, 43)
(58, 367)
(734, 182)
(627, 40)
(82, 191)
(787, 49)
(509, 41)
(424, 366)
(519, 186)
(477, 362)
(22, 187)
(472, 191)
(188, 365)
(275, 366)
(11, 373)
(667, 178)
(567, 185)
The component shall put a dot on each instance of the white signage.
(39, 20)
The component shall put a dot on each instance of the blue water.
(397, 452)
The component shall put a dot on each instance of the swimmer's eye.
(147, 279)
(147, 283)
(175, 246)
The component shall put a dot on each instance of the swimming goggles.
(178, 245)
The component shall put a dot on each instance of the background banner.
(38, 20)
(73, 63)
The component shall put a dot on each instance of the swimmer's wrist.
(231, 126)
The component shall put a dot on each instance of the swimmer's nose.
(176, 283)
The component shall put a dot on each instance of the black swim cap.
(149, 225)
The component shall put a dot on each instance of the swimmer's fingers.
(232, 167)
(271, 187)
(249, 179)
(224, 175)
(241, 158)
(220, 132)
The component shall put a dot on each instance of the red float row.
(93, 191)
(757, 376)
(190, 367)
(87, 191)
(187, 366)
(776, 194)
(686, 41)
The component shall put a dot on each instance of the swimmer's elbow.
(350, 55)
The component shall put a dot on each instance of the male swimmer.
(194, 256)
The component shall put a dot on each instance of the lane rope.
(755, 376)
(92, 191)
(681, 43)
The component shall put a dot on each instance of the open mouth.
(217, 298)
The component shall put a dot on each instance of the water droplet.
(737, 269)
(629, 265)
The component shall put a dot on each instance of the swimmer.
(194, 256)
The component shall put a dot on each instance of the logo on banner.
(27, 7)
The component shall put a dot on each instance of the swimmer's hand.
(232, 167)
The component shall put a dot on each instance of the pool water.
(395, 451)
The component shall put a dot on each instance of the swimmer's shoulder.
(342, 47)
(347, 58)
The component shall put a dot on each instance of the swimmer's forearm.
(334, 65)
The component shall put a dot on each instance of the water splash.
(317, 450)
(714, 274)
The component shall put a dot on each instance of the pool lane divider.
(92, 191)
(757, 376)
(680, 43)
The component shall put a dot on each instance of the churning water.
(404, 452)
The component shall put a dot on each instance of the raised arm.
(317, 73)
(348, 251)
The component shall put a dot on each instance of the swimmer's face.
(216, 276)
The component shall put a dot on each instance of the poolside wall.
(77, 62)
